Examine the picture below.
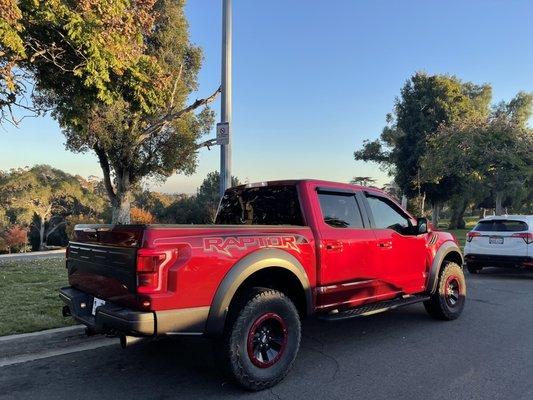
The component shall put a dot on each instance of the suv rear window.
(501, 225)
(265, 205)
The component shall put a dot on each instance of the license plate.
(495, 240)
(97, 303)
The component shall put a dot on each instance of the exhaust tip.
(126, 341)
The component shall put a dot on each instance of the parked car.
(500, 241)
(279, 251)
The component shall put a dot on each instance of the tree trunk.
(458, 208)
(121, 209)
(435, 208)
(41, 234)
(423, 205)
(499, 200)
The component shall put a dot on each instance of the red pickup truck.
(279, 251)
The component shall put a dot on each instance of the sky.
(314, 78)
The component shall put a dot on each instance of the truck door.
(400, 252)
(347, 275)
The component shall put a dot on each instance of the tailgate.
(102, 261)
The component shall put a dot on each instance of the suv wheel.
(448, 301)
(261, 340)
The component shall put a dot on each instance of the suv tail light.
(150, 265)
(527, 236)
(472, 235)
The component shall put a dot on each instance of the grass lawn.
(29, 300)
(460, 234)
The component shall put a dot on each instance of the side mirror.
(423, 226)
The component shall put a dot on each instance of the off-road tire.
(233, 352)
(443, 304)
(473, 269)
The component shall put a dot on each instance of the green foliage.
(426, 102)
(42, 197)
(201, 208)
(117, 76)
(493, 154)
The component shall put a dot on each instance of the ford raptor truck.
(278, 252)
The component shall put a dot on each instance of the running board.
(374, 308)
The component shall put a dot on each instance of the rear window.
(501, 226)
(340, 210)
(266, 205)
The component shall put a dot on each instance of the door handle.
(334, 246)
(386, 244)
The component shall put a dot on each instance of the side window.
(340, 210)
(386, 216)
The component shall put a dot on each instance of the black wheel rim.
(267, 340)
(452, 291)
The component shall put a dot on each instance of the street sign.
(223, 133)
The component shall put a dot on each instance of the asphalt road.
(403, 354)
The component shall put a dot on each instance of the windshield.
(265, 205)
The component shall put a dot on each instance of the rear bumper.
(112, 318)
(499, 261)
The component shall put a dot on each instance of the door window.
(387, 216)
(340, 210)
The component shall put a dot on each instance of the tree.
(208, 195)
(362, 180)
(117, 76)
(42, 196)
(495, 153)
(154, 202)
(426, 102)
(200, 208)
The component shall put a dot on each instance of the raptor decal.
(224, 245)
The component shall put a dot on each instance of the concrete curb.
(48, 332)
(33, 254)
(16, 349)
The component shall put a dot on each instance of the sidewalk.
(33, 255)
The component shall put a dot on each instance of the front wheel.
(261, 342)
(448, 301)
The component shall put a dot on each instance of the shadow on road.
(504, 273)
(185, 367)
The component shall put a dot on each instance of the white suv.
(500, 241)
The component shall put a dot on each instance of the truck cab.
(278, 252)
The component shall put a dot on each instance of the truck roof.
(315, 181)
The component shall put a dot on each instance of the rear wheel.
(448, 301)
(261, 340)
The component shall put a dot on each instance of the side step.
(374, 308)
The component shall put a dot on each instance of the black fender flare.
(244, 268)
(445, 249)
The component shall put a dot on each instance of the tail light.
(150, 269)
(527, 236)
(472, 235)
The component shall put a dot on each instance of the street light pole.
(225, 111)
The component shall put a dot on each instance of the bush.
(140, 216)
(13, 238)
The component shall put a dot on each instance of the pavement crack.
(484, 301)
(277, 396)
(323, 353)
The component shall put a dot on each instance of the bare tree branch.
(171, 116)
